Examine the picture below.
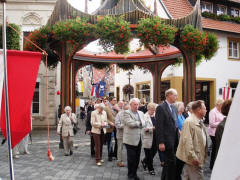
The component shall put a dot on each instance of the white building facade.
(30, 15)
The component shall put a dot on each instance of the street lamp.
(129, 78)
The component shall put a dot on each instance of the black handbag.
(75, 129)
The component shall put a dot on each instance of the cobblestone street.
(79, 166)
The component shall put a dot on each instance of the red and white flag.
(227, 93)
(22, 69)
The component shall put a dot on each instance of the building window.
(36, 102)
(206, 7)
(221, 9)
(233, 49)
(233, 85)
(25, 34)
(235, 12)
(143, 91)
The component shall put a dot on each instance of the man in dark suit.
(167, 133)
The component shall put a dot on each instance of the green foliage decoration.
(13, 38)
(114, 34)
(74, 31)
(192, 40)
(211, 46)
(155, 32)
(38, 37)
(221, 17)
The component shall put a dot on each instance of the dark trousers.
(92, 145)
(148, 160)
(213, 153)
(149, 155)
(169, 167)
(98, 141)
(179, 168)
(161, 155)
(133, 158)
(111, 152)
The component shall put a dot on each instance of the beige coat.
(110, 117)
(133, 131)
(191, 145)
(66, 125)
(97, 120)
(148, 136)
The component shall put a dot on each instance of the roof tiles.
(178, 8)
(220, 25)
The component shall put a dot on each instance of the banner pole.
(10, 155)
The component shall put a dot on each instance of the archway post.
(189, 77)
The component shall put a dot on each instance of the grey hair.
(134, 99)
(67, 108)
(189, 106)
(178, 104)
(219, 101)
(96, 106)
(101, 105)
(170, 92)
(151, 105)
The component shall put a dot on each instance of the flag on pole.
(227, 166)
(227, 93)
(22, 69)
(1, 79)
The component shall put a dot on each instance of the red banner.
(22, 68)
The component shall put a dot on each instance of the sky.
(94, 4)
(80, 4)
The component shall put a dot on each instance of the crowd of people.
(177, 134)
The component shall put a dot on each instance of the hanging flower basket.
(74, 31)
(211, 46)
(126, 66)
(192, 40)
(38, 37)
(155, 32)
(114, 34)
(128, 89)
(41, 38)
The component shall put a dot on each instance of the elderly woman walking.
(66, 122)
(99, 124)
(215, 117)
(149, 141)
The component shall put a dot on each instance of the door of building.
(203, 93)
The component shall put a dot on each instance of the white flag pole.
(6, 92)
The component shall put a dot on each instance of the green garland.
(13, 38)
(114, 34)
(155, 32)
(74, 31)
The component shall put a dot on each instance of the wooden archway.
(132, 11)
